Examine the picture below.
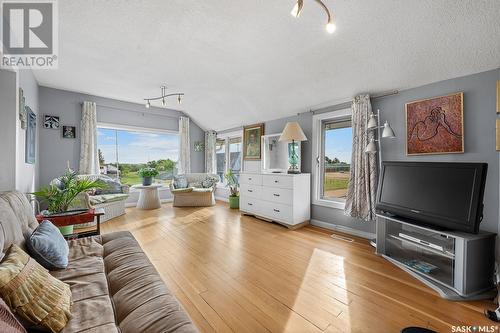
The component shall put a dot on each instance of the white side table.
(149, 198)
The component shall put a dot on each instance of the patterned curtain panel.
(361, 194)
(184, 147)
(89, 159)
(210, 158)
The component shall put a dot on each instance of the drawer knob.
(276, 181)
(250, 191)
(276, 195)
(276, 210)
(250, 204)
(249, 178)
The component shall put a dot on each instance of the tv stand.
(457, 265)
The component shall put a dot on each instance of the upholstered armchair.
(194, 190)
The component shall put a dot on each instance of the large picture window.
(332, 150)
(124, 151)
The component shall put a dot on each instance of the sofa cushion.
(202, 190)
(48, 246)
(182, 190)
(209, 182)
(31, 292)
(180, 181)
(111, 275)
(104, 198)
(195, 184)
(17, 220)
(111, 186)
(8, 322)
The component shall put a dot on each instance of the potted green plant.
(60, 194)
(234, 195)
(147, 175)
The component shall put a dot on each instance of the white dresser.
(281, 198)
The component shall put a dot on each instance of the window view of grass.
(132, 151)
(337, 160)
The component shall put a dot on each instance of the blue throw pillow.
(180, 182)
(48, 246)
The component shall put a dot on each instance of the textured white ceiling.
(242, 62)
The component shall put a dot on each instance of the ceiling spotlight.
(330, 26)
(163, 97)
(297, 9)
(179, 99)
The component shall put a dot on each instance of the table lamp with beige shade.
(293, 133)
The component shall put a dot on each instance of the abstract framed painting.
(435, 125)
(251, 141)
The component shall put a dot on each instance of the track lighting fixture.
(163, 97)
(330, 25)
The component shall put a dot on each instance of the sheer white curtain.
(210, 158)
(89, 159)
(184, 147)
(362, 191)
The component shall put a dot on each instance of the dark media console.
(458, 265)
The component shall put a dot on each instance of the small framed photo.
(69, 132)
(51, 122)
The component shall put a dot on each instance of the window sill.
(329, 204)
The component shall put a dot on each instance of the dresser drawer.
(277, 212)
(252, 191)
(251, 179)
(278, 195)
(251, 205)
(277, 181)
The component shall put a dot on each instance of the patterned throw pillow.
(31, 292)
(209, 182)
(180, 182)
(48, 246)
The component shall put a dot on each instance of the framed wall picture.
(251, 141)
(435, 125)
(51, 122)
(30, 142)
(69, 132)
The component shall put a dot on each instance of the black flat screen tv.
(442, 195)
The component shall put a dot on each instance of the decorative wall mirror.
(276, 154)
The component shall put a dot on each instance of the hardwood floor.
(235, 273)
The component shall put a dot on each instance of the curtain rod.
(136, 111)
(347, 104)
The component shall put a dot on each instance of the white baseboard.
(133, 204)
(344, 229)
(225, 199)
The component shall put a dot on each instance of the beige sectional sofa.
(114, 286)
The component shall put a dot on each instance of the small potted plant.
(61, 194)
(234, 195)
(147, 175)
